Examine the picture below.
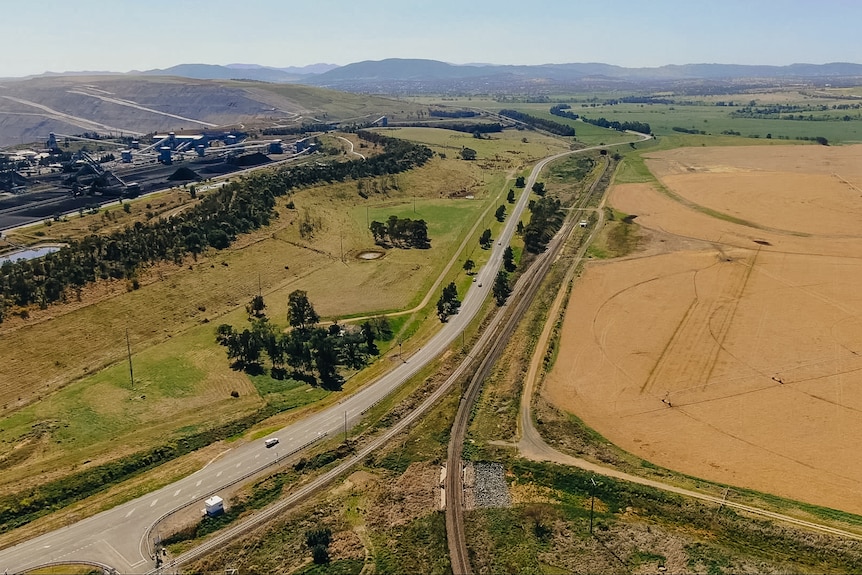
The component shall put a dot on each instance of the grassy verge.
(635, 527)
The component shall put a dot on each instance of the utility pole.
(129, 351)
(592, 502)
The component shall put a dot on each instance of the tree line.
(452, 113)
(562, 110)
(546, 217)
(641, 127)
(216, 221)
(543, 123)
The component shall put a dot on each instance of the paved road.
(118, 537)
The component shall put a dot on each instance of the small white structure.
(583, 223)
(214, 505)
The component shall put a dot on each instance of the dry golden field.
(729, 347)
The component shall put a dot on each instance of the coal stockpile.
(248, 160)
(27, 208)
(184, 174)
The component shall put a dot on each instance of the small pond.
(29, 254)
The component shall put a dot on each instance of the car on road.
(271, 441)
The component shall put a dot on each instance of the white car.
(271, 441)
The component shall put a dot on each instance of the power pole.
(592, 502)
(129, 351)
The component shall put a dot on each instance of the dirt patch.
(412, 495)
(738, 360)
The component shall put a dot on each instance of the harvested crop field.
(730, 346)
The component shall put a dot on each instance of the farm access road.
(121, 537)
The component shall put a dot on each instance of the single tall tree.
(485, 239)
(501, 289)
(300, 313)
(509, 259)
(500, 214)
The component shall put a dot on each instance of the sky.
(124, 35)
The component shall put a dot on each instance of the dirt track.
(727, 351)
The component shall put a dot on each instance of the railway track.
(519, 301)
(492, 334)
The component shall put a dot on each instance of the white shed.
(214, 505)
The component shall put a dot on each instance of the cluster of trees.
(401, 232)
(452, 113)
(641, 127)
(562, 110)
(687, 130)
(307, 352)
(468, 154)
(234, 209)
(318, 541)
(448, 304)
(546, 217)
(542, 123)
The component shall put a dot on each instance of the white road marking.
(198, 484)
(130, 512)
(256, 456)
(153, 504)
(218, 474)
(238, 464)
(177, 492)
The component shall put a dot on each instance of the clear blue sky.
(121, 35)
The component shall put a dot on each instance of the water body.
(29, 254)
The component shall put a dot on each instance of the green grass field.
(698, 113)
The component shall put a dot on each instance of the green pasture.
(695, 113)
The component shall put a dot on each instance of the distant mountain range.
(370, 75)
(241, 72)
